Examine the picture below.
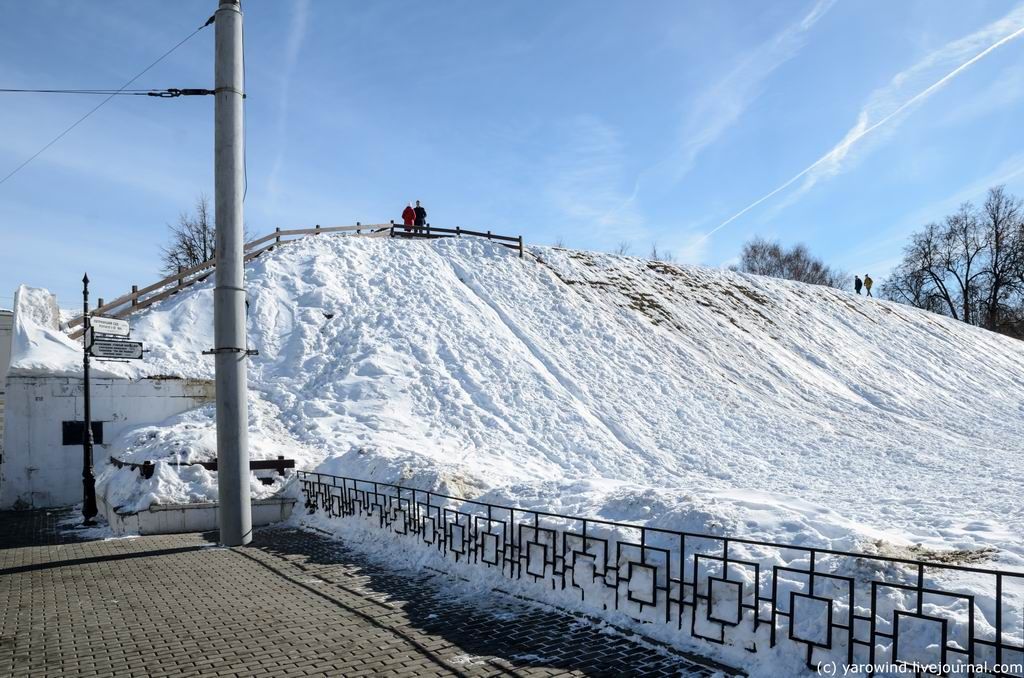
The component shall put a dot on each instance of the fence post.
(458, 231)
(277, 239)
(135, 295)
(488, 235)
(317, 230)
(99, 303)
(520, 247)
(280, 467)
(180, 269)
(147, 469)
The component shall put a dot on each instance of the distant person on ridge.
(857, 283)
(867, 283)
(408, 217)
(421, 216)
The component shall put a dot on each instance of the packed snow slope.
(685, 397)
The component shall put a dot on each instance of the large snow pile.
(175, 445)
(38, 346)
(616, 387)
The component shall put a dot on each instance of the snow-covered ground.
(617, 387)
(176, 444)
(604, 386)
(611, 386)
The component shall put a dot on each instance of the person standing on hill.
(857, 283)
(867, 283)
(408, 217)
(421, 216)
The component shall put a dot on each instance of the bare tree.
(970, 267)
(1003, 224)
(193, 238)
(623, 248)
(763, 257)
(911, 286)
(665, 256)
(559, 242)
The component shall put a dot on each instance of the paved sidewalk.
(293, 603)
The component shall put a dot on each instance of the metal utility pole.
(89, 509)
(230, 346)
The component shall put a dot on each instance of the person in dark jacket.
(857, 283)
(421, 216)
(408, 217)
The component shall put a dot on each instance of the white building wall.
(6, 332)
(37, 469)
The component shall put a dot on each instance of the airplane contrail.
(857, 137)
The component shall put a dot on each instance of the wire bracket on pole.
(225, 89)
(231, 349)
(176, 92)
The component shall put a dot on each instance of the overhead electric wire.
(75, 91)
(122, 89)
(162, 93)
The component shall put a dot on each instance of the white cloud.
(297, 29)
(891, 103)
(1001, 93)
(585, 181)
(720, 107)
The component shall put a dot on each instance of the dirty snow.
(610, 387)
(614, 387)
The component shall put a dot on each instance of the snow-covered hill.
(596, 384)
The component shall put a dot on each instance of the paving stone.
(293, 603)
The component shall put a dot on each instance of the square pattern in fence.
(848, 608)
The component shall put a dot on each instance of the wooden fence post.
(458, 231)
(180, 269)
(488, 235)
(520, 247)
(317, 230)
(277, 239)
(135, 295)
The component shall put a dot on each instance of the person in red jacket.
(408, 216)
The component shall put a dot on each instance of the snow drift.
(631, 390)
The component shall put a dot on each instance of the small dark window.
(74, 430)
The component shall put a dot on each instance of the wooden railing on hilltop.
(138, 299)
(513, 242)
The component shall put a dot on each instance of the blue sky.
(590, 122)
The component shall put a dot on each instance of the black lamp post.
(89, 509)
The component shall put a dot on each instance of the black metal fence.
(848, 608)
